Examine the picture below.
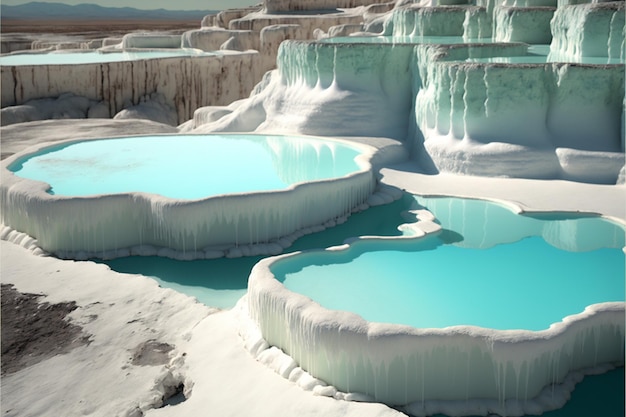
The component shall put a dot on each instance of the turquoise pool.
(489, 267)
(186, 166)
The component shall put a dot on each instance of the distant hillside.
(39, 10)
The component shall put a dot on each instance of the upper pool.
(186, 166)
(399, 40)
(489, 267)
(94, 57)
(541, 54)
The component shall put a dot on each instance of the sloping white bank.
(459, 370)
(112, 225)
(120, 312)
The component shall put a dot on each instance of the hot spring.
(198, 195)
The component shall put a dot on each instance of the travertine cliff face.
(186, 83)
(278, 6)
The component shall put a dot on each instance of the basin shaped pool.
(477, 309)
(187, 195)
(493, 268)
(94, 57)
(186, 166)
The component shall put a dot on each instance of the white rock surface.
(66, 106)
(153, 107)
(16, 138)
(120, 312)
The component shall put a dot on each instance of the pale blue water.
(94, 57)
(465, 276)
(187, 166)
(540, 54)
(399, 40)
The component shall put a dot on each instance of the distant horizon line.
(26, 3)
(192, 8)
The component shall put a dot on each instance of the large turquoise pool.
(489, 267)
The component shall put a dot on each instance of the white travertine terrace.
(559, 119)
(465, 113)
(216, 38)
(454, 20)
(593, 30)
(460, 370)
(523, 24)
(109, 226)
(248, 38)
(531, 115)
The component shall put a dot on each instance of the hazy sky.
(154, 4)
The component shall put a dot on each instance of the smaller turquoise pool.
(489, 267)
(540, 54)
(186, 166)
(400, 40)
(95, 57)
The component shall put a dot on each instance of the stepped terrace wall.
(187, 83)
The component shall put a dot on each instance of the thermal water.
(489, 268)
(202, 166)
